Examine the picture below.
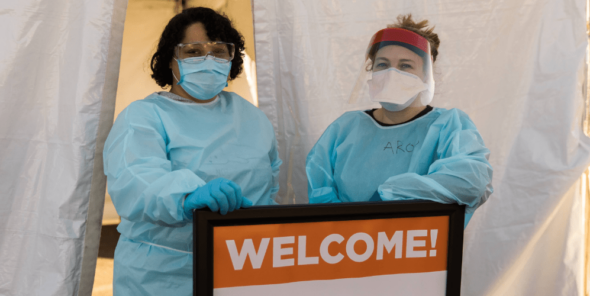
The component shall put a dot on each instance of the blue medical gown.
(438, 157)
(158, 151)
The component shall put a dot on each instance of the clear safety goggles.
(197, 52)
(402, 50)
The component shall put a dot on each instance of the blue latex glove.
(218, 195)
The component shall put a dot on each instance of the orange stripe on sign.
(283, 253)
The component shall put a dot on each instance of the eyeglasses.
(197, 52)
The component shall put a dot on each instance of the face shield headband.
(402, 36)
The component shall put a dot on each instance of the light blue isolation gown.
(438, 157)
(157, 152)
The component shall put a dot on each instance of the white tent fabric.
(516, 67)
(59, 62)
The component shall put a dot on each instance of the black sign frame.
(205, 221)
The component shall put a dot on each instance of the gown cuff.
(324, 195)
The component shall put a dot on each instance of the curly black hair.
(218, 27)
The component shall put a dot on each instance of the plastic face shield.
(197, 52)
(397, 69)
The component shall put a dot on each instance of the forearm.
(155, 197)
(470, 189)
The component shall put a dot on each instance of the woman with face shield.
(405, 150)
(192, 147)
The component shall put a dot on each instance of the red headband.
(401, 35)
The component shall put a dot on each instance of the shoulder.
(235, 99)
(452, 123)
(448, 113)
(140, 115)
(452, 116)
(244, 108)
(142, 111)
(148, 103)
(346, 124)
(241, 104)
(454, 112)
(351, 118)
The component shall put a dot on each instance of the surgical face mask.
(397, 107)
(395, 90)
(202, 79)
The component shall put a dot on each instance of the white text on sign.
(283, 248)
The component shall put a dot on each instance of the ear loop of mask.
(177, 80)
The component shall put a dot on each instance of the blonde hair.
(421, 28)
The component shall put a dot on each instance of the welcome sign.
(353, 250)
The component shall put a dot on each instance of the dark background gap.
(109, 236)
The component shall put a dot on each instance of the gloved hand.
(218, 195)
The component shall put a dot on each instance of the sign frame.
(205, 221)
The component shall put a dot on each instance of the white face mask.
(395, 89)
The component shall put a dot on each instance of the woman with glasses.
(192, 147)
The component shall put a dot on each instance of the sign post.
(385, 248)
